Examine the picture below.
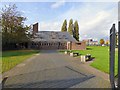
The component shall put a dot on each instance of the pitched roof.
(52, 36)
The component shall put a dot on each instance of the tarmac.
(51, 69)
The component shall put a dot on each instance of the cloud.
(49, 26)
(94, 20)
(58, 4)
(58, 0)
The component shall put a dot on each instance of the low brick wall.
(78, 46)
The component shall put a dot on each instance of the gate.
(115, 83)
(119, 54)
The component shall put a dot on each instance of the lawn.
(12, 58)
(101, 55)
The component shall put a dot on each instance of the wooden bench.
(67, 52)
(74, 54)
(88, 56)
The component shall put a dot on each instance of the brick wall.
(35, 28)
(49, 45)
(78, 46)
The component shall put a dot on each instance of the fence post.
(119, 54)
(112, 55)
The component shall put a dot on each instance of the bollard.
(71, 54)
(65, 52)
(83, 58)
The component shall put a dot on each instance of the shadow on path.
(65, 83)
(62, 77)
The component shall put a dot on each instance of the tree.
(76, 31)
(107, 42)
(13, 29)
(64, 26)
(102, 41)
(70, 28)
(11, 18)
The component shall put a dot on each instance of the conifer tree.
(70, 28)
(76, 31)
(64, 26)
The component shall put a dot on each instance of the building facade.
(91, 42)
(49, 40)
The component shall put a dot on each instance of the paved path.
(50, 69)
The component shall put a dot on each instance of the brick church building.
(51, 40)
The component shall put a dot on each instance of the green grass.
(101, 55)
(12, 58)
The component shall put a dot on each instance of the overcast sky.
(95, 18)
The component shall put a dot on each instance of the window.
(78, 43)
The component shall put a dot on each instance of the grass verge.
(12, 58)
(101, 55)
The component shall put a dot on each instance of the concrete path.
(49, 69)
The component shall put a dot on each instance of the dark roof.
(51, 36)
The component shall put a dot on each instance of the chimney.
(35, 28)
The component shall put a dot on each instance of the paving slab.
(50, 69)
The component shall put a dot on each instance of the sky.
(94, 18)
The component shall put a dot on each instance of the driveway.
(50, 69)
